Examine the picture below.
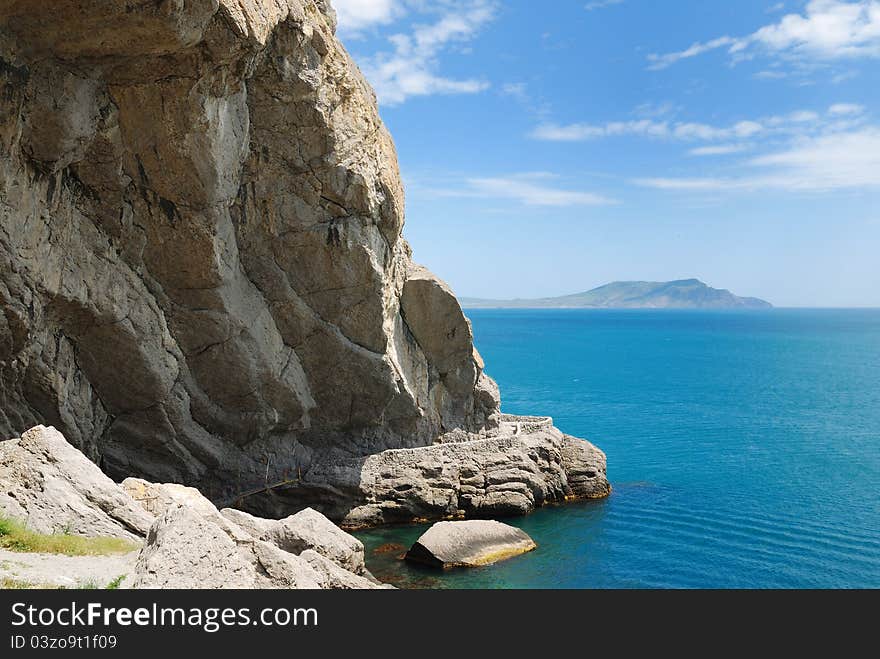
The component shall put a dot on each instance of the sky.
(551, 147)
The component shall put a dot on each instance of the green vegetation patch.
(14, 536)
(16, 584)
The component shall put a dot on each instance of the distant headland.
(681, 294)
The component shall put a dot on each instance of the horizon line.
(771, 308)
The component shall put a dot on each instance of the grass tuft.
(116, 583)
(14, 536)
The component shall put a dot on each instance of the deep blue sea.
(743, 447)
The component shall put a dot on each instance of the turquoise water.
(744, 448)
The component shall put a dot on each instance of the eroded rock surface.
(307, 530)
(187, 550)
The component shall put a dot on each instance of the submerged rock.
(53, 488)
(470, 543)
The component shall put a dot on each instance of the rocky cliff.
(202, 274)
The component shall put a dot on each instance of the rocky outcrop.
(202, 274)
(53, 488)
(307, 530)
(156, 498)
(196, 547)
(528, 465)
(334, 577)
(305, 534)
(187, 550)
(472, 543)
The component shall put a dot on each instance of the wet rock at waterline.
(471, 543)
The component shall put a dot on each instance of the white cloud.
(828, 30)
(524, 190)
(846, 109)
(720, 150)
(695, 131)
(819, 164)
(770, 75)
(601, 4)
(582, 132)
(794, 122)
(663, 61)
(656, 110)
(802, 117)
(831, 161)
(838, 118)
(831, 29)
(355, 15)
(410, 70)
(689, 184)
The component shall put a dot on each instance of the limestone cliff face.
(202, 275)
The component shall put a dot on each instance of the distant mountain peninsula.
(682, 294)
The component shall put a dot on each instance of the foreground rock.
(189, 544)
(156, 498)
(306, 530)
(186, 550)
(471, 543)
(193, 543)
(53, 488)
(203, 278)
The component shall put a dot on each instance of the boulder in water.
(471, 543)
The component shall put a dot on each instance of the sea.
(743, 448)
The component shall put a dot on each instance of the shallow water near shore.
(743, 447)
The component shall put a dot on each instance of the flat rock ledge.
(522, 465)
(472, 543)
(530, 465)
